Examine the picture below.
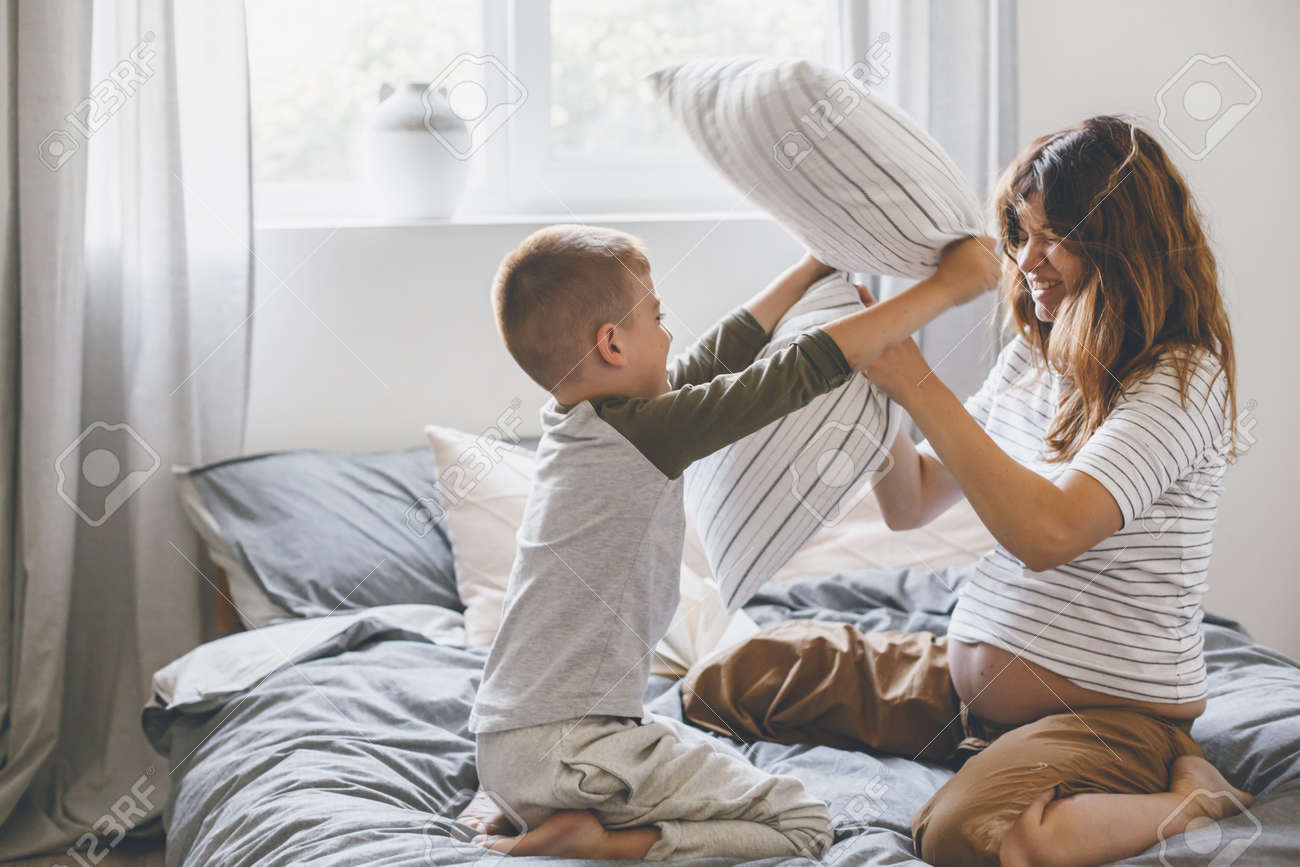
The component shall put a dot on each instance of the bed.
(342, 740)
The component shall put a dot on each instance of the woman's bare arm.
(1042, 523)
(916, 490)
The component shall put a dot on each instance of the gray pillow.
(314, 532)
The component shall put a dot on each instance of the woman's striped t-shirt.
(1123, 618)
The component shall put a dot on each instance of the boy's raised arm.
(730, 345)
(734, 343)
(694, 420)
(782, 293)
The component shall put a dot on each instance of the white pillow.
(484, 484)
(756, 502)
(854, 178)
(484, 487)
(862, 541)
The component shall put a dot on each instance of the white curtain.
(124, 351)
(951, 65)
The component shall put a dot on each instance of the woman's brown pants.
(817, 682)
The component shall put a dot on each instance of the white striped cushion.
(757, 501)
(854, 178)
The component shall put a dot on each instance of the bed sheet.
(355, 750)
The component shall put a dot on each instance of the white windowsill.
(620, 217)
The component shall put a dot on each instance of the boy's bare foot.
(484, 816)
(575, 834)
(1190, 774)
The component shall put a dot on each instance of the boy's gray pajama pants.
(705, 798)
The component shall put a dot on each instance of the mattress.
(345, 742)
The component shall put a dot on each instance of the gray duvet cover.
(358, 753)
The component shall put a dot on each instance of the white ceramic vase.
(410, 153)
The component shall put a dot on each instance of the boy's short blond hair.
(557, 287)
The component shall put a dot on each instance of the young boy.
(564, 742)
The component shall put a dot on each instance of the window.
(589, 136)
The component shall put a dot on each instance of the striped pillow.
(853, 178)
(757, 501)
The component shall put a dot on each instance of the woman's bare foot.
(484, 816)
(1193, 774)
(575, 834)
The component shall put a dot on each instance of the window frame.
(514, 173)
(540, 181)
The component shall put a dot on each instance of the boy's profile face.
(646, 347)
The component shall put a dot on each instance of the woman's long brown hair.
(1150, 286)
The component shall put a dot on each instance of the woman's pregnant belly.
(1002, 688)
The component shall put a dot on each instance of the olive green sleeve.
(728, 347)
(693, 421)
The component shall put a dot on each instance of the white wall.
(384, 329)
(1112, 56)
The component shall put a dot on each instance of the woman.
(1094, 454)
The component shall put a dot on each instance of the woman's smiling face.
(1051, 272)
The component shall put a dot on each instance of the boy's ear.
(608, 345)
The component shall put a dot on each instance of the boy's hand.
(970, 267)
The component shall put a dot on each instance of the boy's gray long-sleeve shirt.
(595, 580)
